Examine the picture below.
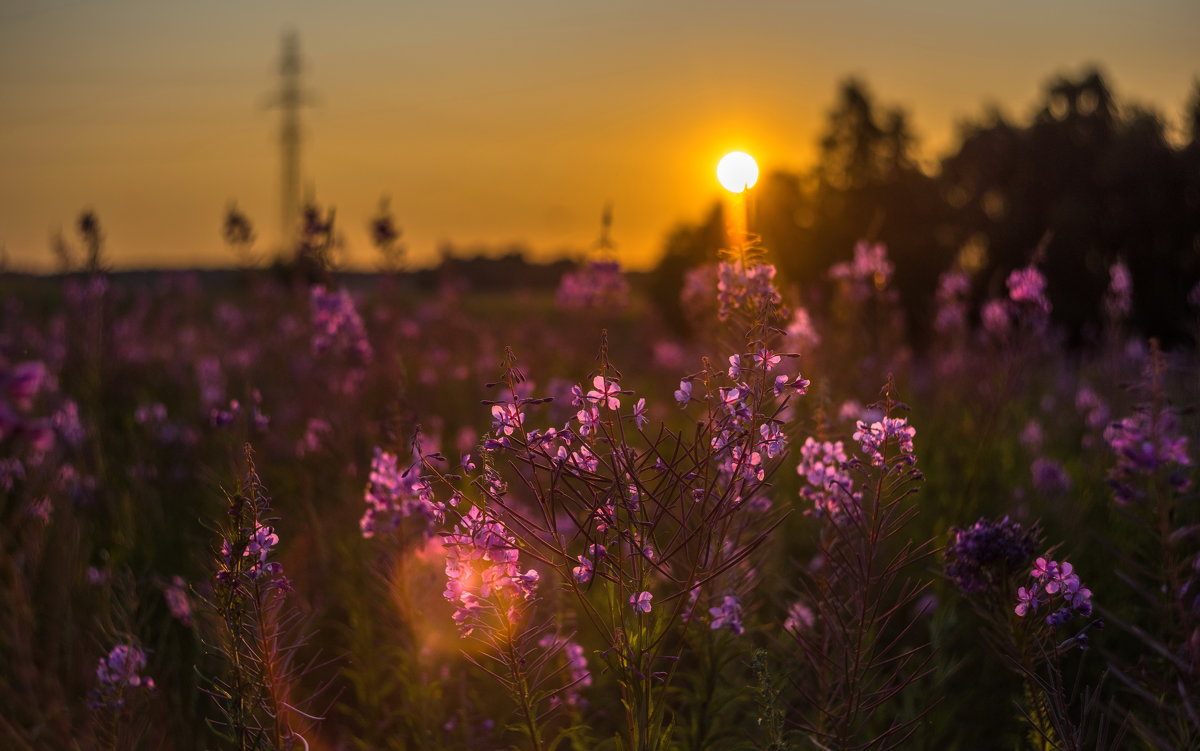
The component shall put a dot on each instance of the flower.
(639, 413)
(604, 393)
(875, 436)
(641, 602)
(683, 394)
(1058, 582)
(983, 555)
(1028, 286)
(727, 615)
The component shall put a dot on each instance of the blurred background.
(970, 131)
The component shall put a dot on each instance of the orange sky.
(493, 122)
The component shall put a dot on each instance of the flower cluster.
(392, 495)
(253, 564)
(1027, 286)
(801, 334)
(1049, 477)
(1055, 585)
(337, 325)
(1144, 443)
(117, 672)
(830, 487)
(870, 270)
(985, 554)
(1118, 299)
(747, 285)
(952, 291)
(598, 285)
(176, 594)
(482, 573)
(20, 386)
(873, 438)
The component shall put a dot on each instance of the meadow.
(357, 513)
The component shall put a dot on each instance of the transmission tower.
(289, 99)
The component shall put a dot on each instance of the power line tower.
(289, 99)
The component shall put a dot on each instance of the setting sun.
(737, 171)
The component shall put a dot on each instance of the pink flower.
(604, 393)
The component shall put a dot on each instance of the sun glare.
(737, 171)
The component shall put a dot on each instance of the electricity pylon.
(289, 99)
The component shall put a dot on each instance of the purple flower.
(683, 394)
(1049, 477)
(506, 418)
(1118, 300)
(336, 325)
(598, 285)
(875, 436)
(728, 615)
(1061, 585)
(639, 413)
(177, 600)
(985, 554)
(1027, 600)
(120, 670)
(392, 495)
(583, 572)
(641, 602)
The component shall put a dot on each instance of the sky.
(498, 123)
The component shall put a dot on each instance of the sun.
(737, 171)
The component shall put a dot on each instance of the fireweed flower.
(1054, 584)
(123, 667)
(683, 394)
(1118, 299)
(774, 441)
(996, 318)
(483, 577)
(598, 285)
(506, 418)
(745, 284)
(604, 393)
(177, 600)
(392, 495)
(735, 367)
(983, 555)
(1028, 286)
(830, 487)
(1049, 477)
(952, 291)
(336, 324)
(641, 602)
(639, 413)
(766, 359)
(583, 572)
(1144, 443)
(800, 616)
(727, 615)
(869, 270)
(800, 331)
(873, 437)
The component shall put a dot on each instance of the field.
(245, 512)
